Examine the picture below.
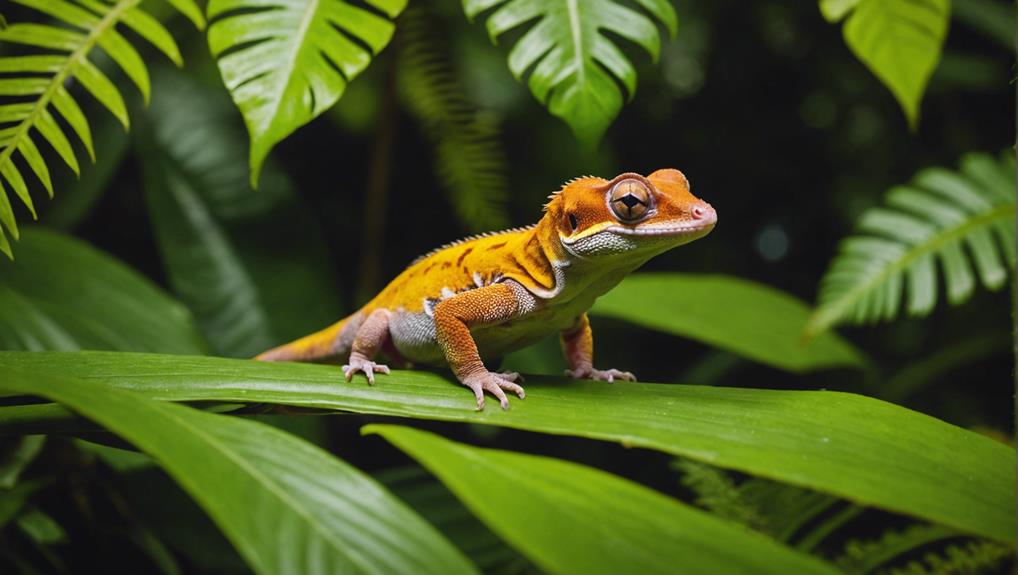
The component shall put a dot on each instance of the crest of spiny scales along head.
(555, 194)
(470, 239)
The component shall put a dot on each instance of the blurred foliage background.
(761, 104)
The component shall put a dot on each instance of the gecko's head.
(629, 215)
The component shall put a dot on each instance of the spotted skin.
(486, 296)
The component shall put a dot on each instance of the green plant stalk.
(829, 316)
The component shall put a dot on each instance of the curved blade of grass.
(747, 318)
(287, 506)
(863, 449)
(569, 518)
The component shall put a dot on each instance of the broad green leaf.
(94, 25)
(433, 501)
(746, 318)
(964, 219)
(862, 449)
(286, 505)
(248, 290)
(64, 294)
(569, 518)
(287, 61)
(898, 40)
(571, 65)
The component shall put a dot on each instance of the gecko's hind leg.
(371, 336)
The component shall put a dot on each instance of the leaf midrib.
(297, 46)
(57, 81)
(828, 314)
(576, 31)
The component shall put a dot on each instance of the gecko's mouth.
(666, 230)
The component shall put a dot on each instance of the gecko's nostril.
(699, 212)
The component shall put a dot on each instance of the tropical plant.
(962, 219)
(568, 61)
(468, 158)
(898, 40)
(84, 25)
(286, 62)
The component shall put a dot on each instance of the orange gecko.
(485, 296)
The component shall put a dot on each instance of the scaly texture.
(495, 293)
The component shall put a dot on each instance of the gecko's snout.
(703, 212)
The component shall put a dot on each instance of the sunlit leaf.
(858, 448)
(287, 61)
(286, 505)
(571, 518)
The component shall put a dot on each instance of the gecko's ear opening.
(630, 200)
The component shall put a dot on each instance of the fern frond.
(717, 492)
(469, 159)
(35, 84)
(972, 558)
(867, 556)
(963, 219)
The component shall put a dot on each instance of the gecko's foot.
(494, 383)
(360, 363)
(510, 376)
(608, 375)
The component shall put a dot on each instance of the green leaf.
(247, 289)
(574, 68)
(898, 40)
(22, 453)
(746, 318)
(43, 295)
(286, 505)
(964, 219)
(862, 449)
(571, 518)
(433, 501)
(287, 61)
(94, 24)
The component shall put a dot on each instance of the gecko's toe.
(493, 383)
(365, 366)
(510, 376)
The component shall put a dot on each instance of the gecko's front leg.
(578, 347)
(453, 319)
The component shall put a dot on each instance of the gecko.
(473, 301)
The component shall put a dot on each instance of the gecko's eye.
(573, 223)
(631, 200)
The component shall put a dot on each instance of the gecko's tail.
(317, 346)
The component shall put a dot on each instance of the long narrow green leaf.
(247, 289)
(767, 329)
(859, 448)
(286, 505)
(42, 298)
(569, 518)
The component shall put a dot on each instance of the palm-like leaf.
(573, 66)
(287, 61)
(936, 217)
(469, 159)
(36, 84)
